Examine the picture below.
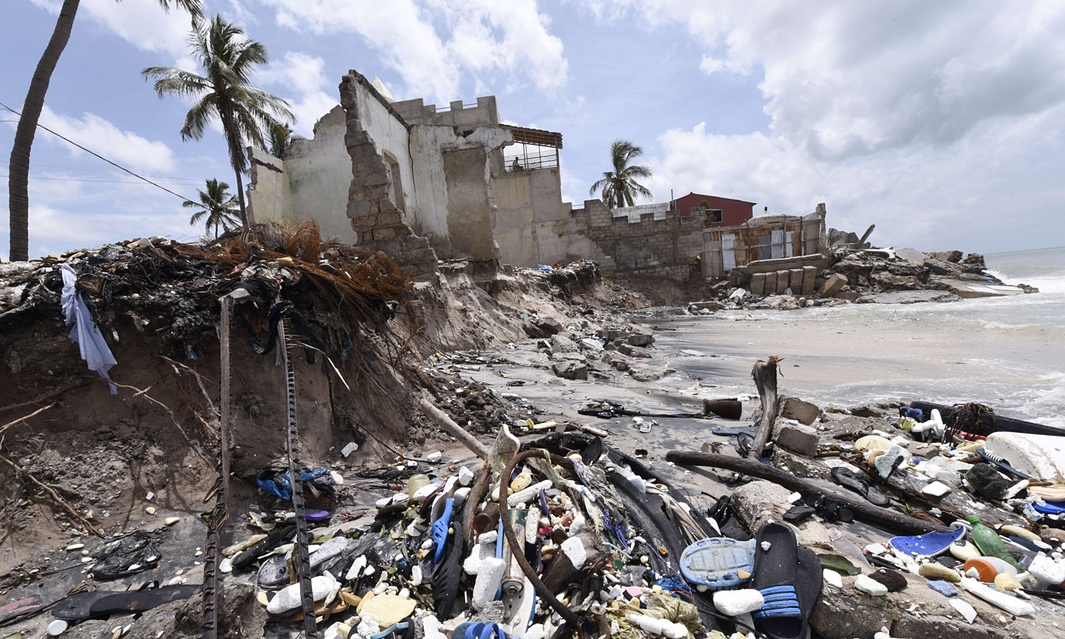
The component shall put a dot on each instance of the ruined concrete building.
(425, 183)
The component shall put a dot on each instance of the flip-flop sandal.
(776, 570)
(141, 600)
(1049, 507)
(274, 572)
(440, 529)
(20, 607)
(928, 545)
(714, 562)
(76, 607)
(246, 557)
(808, 581)
(852, 480)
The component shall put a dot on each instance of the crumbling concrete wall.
(311, 182)
(532, 224)
(762, 238)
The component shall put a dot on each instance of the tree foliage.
(619, 186)
(228, 59)
(217, 207)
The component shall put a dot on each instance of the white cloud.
(854, 78)
(143, 24)
(433, 44)
(99, 135)
(306, 76)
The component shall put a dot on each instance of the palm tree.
(19, 167)
(619, 186)
(281, 138)
(218, 205)
(224, 92)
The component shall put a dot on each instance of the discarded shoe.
(140, 600)
(440, 529)
(852, 480)
(789, 579)
(927, 545)
(716, 562)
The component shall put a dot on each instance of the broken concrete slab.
(570, 370)
(797, 438)
(803, 411)
(967, 290)
(833, 285)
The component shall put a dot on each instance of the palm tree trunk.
(245, 217)
(19, 168)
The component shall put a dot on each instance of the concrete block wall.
(799, 280)
(664, 248)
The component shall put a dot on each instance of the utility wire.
(117, 166)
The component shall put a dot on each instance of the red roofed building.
(731, 212)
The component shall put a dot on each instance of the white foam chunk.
(489, 577)
(1009, 603)
(324, 587)
(737, 602)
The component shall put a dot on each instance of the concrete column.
(809, 274)
(770, 283)
(758, 284)
(783, 281)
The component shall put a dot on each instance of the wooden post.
(458, 432)
(765, 378)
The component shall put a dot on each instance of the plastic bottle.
(989, 543)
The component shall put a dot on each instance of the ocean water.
(1005, 352)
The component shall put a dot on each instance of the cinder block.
(770, 283)
(809, 274)
(783, 281)
(798, 439)
(758, 284)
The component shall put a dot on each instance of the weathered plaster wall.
(319, 175)
(457, 115)
(389, 135)
(532, 225)
(269, 198)
(443, 202)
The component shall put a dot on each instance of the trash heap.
(971, 504)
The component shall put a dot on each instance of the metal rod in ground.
(295, 473)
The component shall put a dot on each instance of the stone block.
(758, 284)
(809, 275)
(640, 338)
(563, 344)
(783, 281)
(802, 411)
(384, 233)
(770, 283)
(391, 218)
(795, 281)
(570, 370)
(833, 285)
(797, 438)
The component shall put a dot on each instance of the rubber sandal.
(440, 529)
(140, 600)
(776, 569)
(714, 562)
(852, 480)
(76, 607)
(928, 545)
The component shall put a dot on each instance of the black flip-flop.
(776, 571)
(852, 480)
(140, 600)
(808, 581)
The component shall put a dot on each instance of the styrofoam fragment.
(1009, 603)
(356, 568)
(574, 549)
(524, 496)
(833, 578)
(465, 476)
(325, 587)
(737, 602)
(489, 577)
(659, 626)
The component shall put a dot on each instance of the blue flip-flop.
(714, 562)
(927, 545)
(440, 529)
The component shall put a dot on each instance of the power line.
(69, 179)
(169, 178)
(93, 153)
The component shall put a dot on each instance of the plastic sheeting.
(94, 349)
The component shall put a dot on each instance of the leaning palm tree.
(224, 92)
(218, 206)
(619, 186)
(19, 169)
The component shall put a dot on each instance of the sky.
(942, 123)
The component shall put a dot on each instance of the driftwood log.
(862, 509)
(456, 431)
(765, 378)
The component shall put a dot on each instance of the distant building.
(719, 210)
